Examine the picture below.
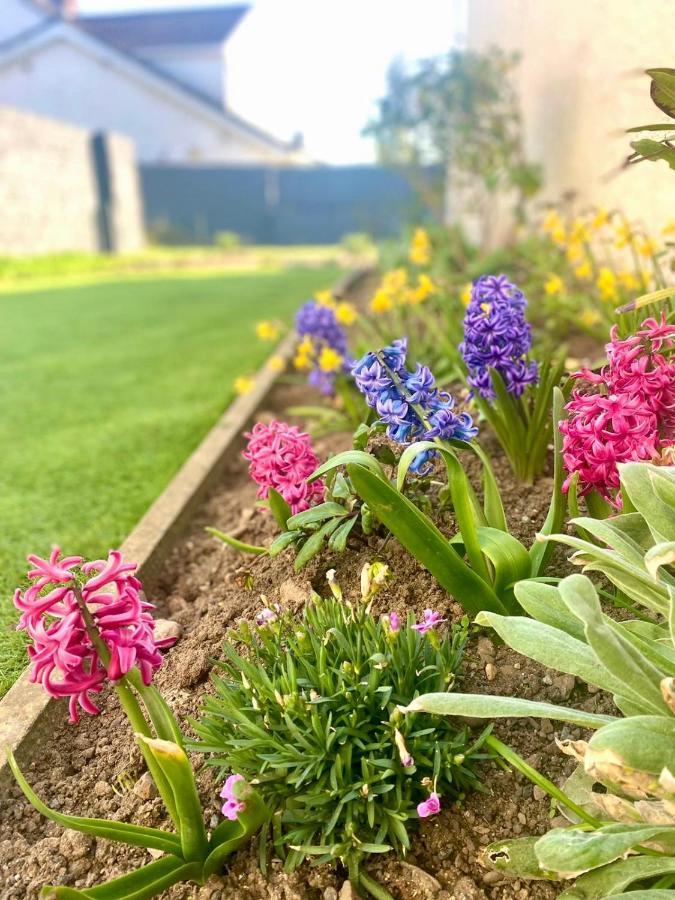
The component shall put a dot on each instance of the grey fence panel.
(277, 206)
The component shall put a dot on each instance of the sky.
(318, 66)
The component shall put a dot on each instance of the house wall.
(202, 67)
(48, 191)
(18, 16)
(580, 87)
(91, 89)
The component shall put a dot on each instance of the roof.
(206, 25)
(55, 27)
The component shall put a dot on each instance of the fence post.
(102, 181)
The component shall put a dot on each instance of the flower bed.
(207, 588)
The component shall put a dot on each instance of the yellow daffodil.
(325, 298)
(424, 289)
(606, 284)
(465, 296)
(555, 285)
(330, 360)
(345, 313)
(551, 222)
(629, 282)
(276, 364)
(382, 302)
(243, 385)
(267, 331)
(647, 247)
(624, 235)
(559, 235)
(420, 248)
(574, 252)
(669, 227)
(584, 271)
(589, 317)
(600, 219)
(579, 231)
(304, 353)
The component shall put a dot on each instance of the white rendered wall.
(200, 67)
(580, 86)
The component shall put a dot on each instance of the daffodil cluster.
(398, 288)
(322, 351)
(420, 248)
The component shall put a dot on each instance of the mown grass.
(105, 389)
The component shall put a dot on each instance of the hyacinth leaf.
(615, 652)
(228, 836)
(314, 543)
(280, 508)
(515, 856)
(640, 743)
(492, 500)
(143, 884)
(338, 540)
(136, 835)
(552, 648)
(662, 89)
(282, 541)
(483, 706)
(651, 490)
(510, 561)
(158, 710)
(611, 880)
(417, 533)
(347, 458)
(176, 767)
(571, 852)
(543, 603)
(235, 544)
(315, 514)
(540, 551)
(465, 505)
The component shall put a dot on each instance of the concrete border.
(26, 710)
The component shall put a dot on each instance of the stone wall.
(49, 193)
(580, 86)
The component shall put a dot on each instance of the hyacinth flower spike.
(513, 393)
(90, 627)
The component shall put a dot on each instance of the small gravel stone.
(490, 671)
(145, 787)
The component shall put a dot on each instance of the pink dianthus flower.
(627, 415)
(88, 624)
(281, 457)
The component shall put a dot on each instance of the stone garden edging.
(26, 710)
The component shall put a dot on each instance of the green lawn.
(105, 391)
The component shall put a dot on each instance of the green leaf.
(136, 835)
(284, 540)
(313, 544)
(662, 89)
(510, 560)
(552, 648)
(651, 489)
(176, 767)
(540, 551)
(143, 884)
(664, 126)
(349, 457)
(482, 706)
(640, 679)
(544, 603)
(417, 533)
(315, 514)
(281, 509)
(640, 743)
(608, 880)
(338, 540)
(571, 852)
(654, 151)
(235, 544)
(228, 836)
(515, 856)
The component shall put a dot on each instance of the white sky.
(317, 66)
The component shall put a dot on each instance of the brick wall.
(49, 195)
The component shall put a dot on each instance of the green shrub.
(307, 708)
(227, 240)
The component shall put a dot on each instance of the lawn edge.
(26, 710)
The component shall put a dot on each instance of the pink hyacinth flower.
(64, 658)
(429, 807)
(281, 457)
(232, 807)
(628, 415)
(430, 620)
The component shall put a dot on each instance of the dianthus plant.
(90, 627)
(513, 393)
(306, 709)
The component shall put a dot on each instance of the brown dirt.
(95, 769)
